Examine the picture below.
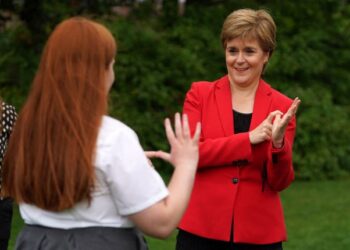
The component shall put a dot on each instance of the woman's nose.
(240, 57)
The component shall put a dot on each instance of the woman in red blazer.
(246, 145)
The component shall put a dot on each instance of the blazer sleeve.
(219, 151)
(280, 171)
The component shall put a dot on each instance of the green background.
(159, 56)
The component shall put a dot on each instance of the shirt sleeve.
(134, 184)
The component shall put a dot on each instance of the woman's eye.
(250, 51)
(232, 51)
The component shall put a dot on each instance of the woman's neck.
(243, 97)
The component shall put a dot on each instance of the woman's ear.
(267, 57)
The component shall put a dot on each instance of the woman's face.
(245, 61)
(110, 75)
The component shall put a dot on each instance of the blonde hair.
(250, 24)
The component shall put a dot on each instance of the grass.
(317, 216)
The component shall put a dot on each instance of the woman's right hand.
(263, 132)
(184, 149)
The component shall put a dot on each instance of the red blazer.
(237, 182)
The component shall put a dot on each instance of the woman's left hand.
(280, 124)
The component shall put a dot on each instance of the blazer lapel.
(224, 105)
(262, 104)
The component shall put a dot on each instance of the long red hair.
(49, 160)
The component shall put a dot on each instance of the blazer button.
(235, 180)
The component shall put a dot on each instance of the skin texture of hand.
(274, 126)
(280, 124)
(263, 132)
(184, 149)
(160, 219)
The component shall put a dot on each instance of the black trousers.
(6, 209)
(188, 241)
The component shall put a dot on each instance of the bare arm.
(161, 219)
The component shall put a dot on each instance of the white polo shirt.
(125, 184)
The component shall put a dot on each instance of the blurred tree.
(159, 56)
(31, 9)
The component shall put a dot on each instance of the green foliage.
(322, 143)
(159, 56)
(155, 68)
(17, 65)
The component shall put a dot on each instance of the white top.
(125, 184)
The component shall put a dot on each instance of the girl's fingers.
(178, 127)
(163, 155)
(185, 126)
(182, 130)
(169, 131)
(151, 154)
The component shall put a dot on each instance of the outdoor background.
(160, 53)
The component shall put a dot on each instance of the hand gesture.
(263, 132)
(184, 149)
(280, 123)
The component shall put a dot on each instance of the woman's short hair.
(250, 24)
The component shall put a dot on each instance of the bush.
(322, 148)
(159, 56)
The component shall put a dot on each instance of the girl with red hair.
(80, 177)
